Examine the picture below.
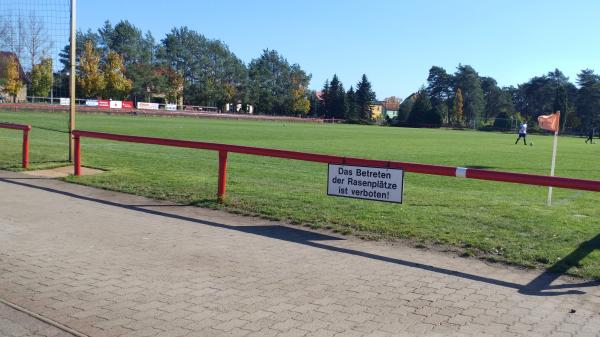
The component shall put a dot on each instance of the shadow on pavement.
(540, 286)
(544, 281)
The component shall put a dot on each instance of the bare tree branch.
(36, 41)
(26, 37)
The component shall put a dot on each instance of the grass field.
(498, 221)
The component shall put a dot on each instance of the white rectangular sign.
(65, 101)
(149, 106)
(171, 107)
(116, 104)
(372, 183)
(91, 102)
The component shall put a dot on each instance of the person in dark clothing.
(590, 137)
(522, 133)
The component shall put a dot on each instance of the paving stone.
(14, 323)
(96, 262)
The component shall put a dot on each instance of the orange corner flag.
(549, 122)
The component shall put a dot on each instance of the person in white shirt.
(522, 133)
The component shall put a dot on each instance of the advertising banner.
(116, 104)
(148, 106)
(103, 104)
(91, 102)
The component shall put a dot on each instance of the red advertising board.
(103, 104)
(127, 104)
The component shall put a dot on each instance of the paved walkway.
(110, 264)
(14, 323)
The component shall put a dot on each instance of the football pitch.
(497, 221)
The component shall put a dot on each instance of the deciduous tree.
(91, 79)
(211, 72)
(173, 88)
(272, 81)
(301, 103)
(27, 37)
(457, 108)
(117, 86)
(41, 78)
(13, 83)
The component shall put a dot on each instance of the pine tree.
(404, 110)
(351, 114)
(117, 85)
(41, 78)
(364, 98)
(91, 79)
(457, 109)
(439, 89)
(336, 98)
(323, 110)
(468, 80)
(314, 102)
(13, 78)
(588, 97)
(561, 104)
(420, 110)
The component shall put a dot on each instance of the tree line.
(185, 68)
(333, 102)
(464, 98)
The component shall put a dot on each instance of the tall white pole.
(552, 166)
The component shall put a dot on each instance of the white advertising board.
(91, 102)
(65, 101)
(171, 107)
(116, 104)
(359, 182)
(149, 106)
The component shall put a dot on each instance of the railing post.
(77, 161)
(222, 176)
(25, 161)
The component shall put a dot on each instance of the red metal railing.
(519, 178)
(25, 129)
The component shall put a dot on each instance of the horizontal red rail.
(519, 178)
(25, 129)
(15, 126)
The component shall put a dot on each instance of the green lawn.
(499, 221)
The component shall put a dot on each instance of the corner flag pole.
(72, 80)
(552, 167)
(554, 145)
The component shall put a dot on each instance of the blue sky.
(509, 40)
